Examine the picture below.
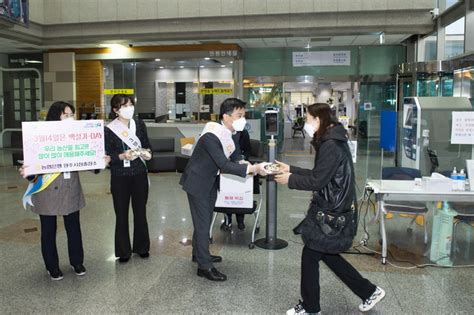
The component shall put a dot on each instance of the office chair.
(433, 155)
(414, 209)
(255, 210)
(298, 126)
(465, 215)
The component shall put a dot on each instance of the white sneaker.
(299, 309)
(376, 297)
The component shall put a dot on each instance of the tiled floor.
(259, 281)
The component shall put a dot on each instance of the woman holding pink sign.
(127, 144)
(58, 194)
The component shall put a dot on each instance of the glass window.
(450, 3)
(454, 39)
(430, 47)
(443, 5)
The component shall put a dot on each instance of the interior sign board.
(63, 146)
(321, 58)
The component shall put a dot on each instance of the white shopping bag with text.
(235, 192)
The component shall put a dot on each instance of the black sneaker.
(299, 309)
(55, 274)
(144, 255)
(226, 227)
(241, 226)
(123, 260)
(80, 270)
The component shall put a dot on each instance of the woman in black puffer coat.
(331, 221)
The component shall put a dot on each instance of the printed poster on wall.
(462, 128)
(63, 146)
(321, 58)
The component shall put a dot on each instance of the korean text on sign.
(63, 146)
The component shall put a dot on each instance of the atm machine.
(425, 134)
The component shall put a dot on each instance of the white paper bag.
(235, 192)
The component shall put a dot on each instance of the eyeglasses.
(68, 115)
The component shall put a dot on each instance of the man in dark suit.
(242, 152)
(200, 180)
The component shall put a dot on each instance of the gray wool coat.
(61, 197)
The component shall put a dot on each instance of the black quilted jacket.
(332, 177)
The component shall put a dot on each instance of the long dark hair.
(57, 109)
(326, 118)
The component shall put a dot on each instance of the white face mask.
(310, 129)
(127, 112)
(239, 124)
(68, 118)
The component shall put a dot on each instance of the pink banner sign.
(63, 146)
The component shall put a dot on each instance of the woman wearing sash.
(53, 195)
(125, 139)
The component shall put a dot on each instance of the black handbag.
(328, 232)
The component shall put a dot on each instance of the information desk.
(403, 190)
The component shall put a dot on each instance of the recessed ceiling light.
(207, 58)
(231, 61)
(158, 59)
(222, 66)
(181, 67)
(112, 46)
(201, 66)
(161, 67)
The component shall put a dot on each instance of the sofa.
(165, 159)
(164, 156)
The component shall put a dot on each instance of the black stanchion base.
(273, 244)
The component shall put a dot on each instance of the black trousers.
(310, 289)
(239, 217)
(202, 208)
(48, 240)
(124, 189)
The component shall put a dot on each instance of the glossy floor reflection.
(259, 281)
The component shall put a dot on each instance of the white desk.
(402, 190)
